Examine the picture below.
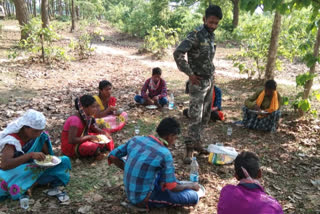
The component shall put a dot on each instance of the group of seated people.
(149, 173)
(260, 112)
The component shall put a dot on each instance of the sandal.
(53, 192)
(63, 197)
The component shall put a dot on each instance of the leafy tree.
(311, 58)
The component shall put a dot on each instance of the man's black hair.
(103, 84)
(156, 71)
(168, 125)
(249, 161)
(214, 10)
(271, 84)
(85, 100)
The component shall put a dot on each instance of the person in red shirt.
(78, 137)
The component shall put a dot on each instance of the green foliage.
(285, 100)
(161, 38)
(40, 42)
(137, 17)
(83, 46)
(91, 8)
(302, 79)
(254, 49)
(63, 18)
(184, 19)
(305, 104)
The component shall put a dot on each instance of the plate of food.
(151, 107)
(49, 161)
(259, 112)
(102, 139)
(201, 192)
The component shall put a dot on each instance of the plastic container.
(220, 155)
(171, 102)
(24, 202)
(194, 170)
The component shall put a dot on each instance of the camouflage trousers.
(199, 109)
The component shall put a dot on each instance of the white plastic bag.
(220, 155)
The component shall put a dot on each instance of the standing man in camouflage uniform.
(200, 48)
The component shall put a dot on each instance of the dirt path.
(290, 158)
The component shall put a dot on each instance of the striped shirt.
(147, 158)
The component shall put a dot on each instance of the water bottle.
(194, 167)
(171, 102)
(229, 131)
(136, 129)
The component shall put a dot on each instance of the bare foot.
(100, 157)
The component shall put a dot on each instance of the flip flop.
(63, 197)
(132, 207)
(53, 192)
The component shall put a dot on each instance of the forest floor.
(290, 158)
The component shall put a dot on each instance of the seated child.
(248, 197)
(216, 113)
(154, 91)
(78, 138)
(110, 119)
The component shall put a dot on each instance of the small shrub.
(40, 42)
(161, 38)
(63, 18)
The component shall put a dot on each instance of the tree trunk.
(29, 7)
(308, 85)
(45, 23)
(235, 20)
(273, 48)
(78, 12)
(34, 8)
(53, 10)
(73, 24)
(60, 7)
(44, 13)
(66, 7)
(8, 9)
(22, 15)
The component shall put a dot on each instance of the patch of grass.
(91, 179)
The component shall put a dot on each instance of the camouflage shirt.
(200, 48)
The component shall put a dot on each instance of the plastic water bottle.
(229, 131)
(136, 129)
(194, 167)
(171, 102)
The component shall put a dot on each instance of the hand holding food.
(103, 139)
(93, 138)
(38, 156)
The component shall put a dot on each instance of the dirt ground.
(290, 158)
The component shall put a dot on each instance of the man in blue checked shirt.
(149, 177)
